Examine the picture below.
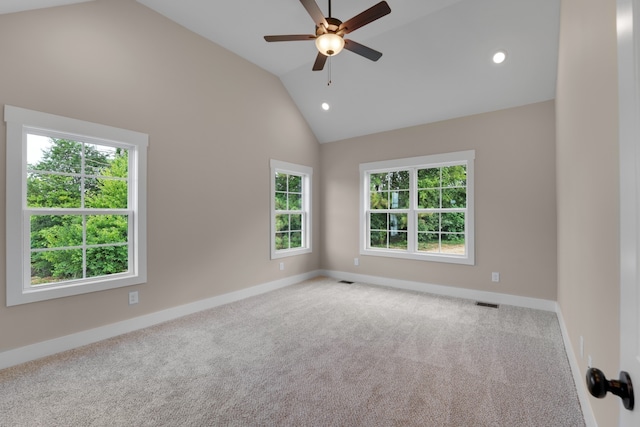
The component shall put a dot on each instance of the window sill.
(390, 253)
(289, 252)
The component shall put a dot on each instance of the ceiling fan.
(330, 32)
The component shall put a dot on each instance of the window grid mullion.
(412, 218)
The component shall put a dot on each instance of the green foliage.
(65, 233)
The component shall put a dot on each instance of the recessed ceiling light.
(499, 57)
(325, 106)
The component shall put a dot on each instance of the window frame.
(20, 122)
(413, 164)
(306, 173)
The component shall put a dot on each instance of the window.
(419, 208)
(290, 209)
(76, 206)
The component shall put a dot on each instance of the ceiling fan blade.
(320, 61)
(375, 12)
(289, 38)
(362, 50)
(316, 14)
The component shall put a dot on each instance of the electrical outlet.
(495, 276)
(133, 297)
(281, 266)
(356, 261)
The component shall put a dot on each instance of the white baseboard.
(578, 377)
(484, 296)
(47, 348)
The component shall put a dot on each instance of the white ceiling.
(436, 61)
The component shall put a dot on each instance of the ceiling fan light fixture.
(329, 44)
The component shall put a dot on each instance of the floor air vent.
(486, 304)
(346, 281)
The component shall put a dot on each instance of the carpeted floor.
(319, 353)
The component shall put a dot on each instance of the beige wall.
(588, 196)
(214, 120)
(515, 200)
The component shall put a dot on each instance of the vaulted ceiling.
(436, 61)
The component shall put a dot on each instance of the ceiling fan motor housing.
(334, 24)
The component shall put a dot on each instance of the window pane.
(453, 244)
(105, 193)
(281, 182)
(56, 231)
(378, 221)
(41, 269)
(295, 239)
(282, 241)
(378, 239)
(379, 200)
(429, 178)
(453, 222)
(378, 182)
(295, 202)
(454, 198)
(107, 260)
(282, 222)
(281, 201)
(399, 199)
(429, 242)
(52, 191)
(398, 180)
(454, 176)
(398, 240)
(429, 199)
(295, 184)
(54, 155)
(103, 229)
(98, 159)
(296, 222)
(63, 265)
(429, 222)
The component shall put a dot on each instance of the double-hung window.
(76, 206)
(290, 209)
(419, 208)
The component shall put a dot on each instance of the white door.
(628, 22)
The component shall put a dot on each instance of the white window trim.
(19, 121)
(436, 160)
(307, 173)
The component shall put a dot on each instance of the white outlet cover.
(133, 297)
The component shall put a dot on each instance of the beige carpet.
(320, 353)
